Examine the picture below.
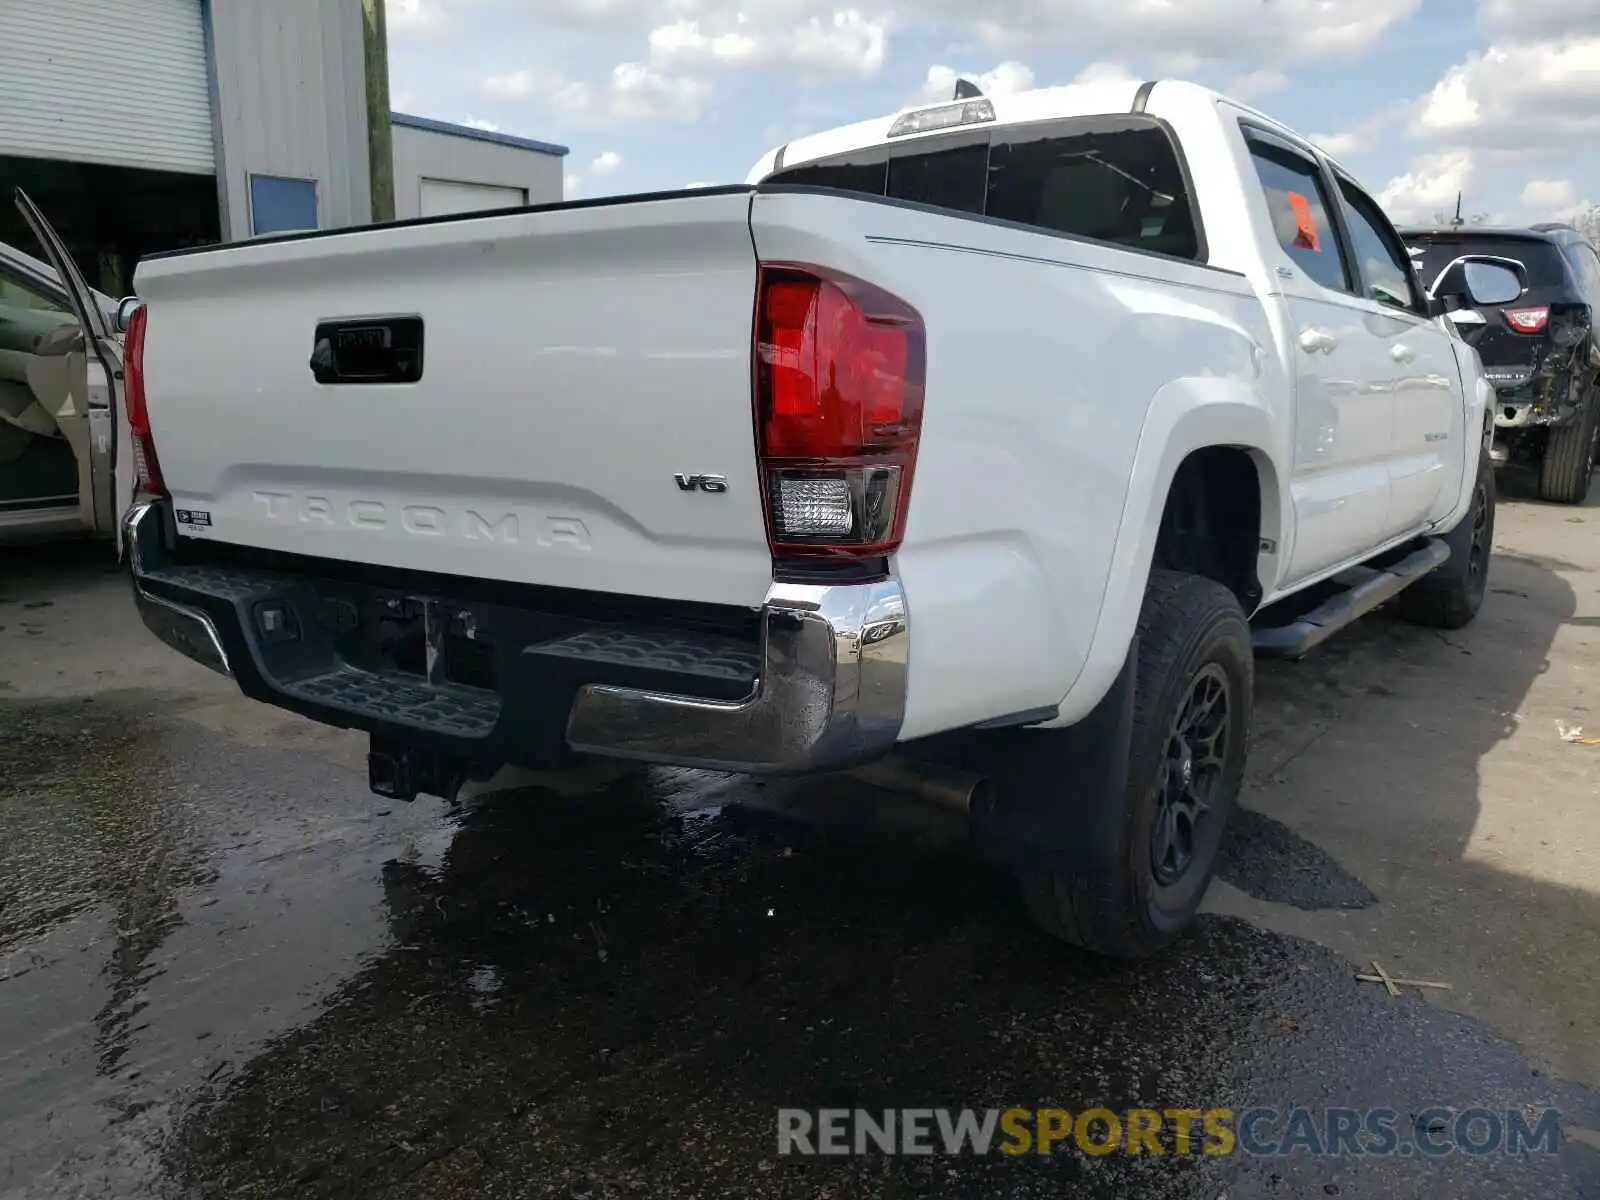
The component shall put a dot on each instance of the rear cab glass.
(1116, 179)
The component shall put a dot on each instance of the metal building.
(441, 168)
(146, 125)
(288, 87)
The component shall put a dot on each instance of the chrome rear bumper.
(826, 688)
(831, 693)
(186, 629)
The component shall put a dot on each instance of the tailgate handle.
(367, 350)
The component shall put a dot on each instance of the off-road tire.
(1113, 900)
(1569, 453)
(1449, 596)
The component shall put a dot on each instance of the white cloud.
(1535, 20)
(1548, 91)
(607, 162)
(1338, 145)
(1005, 79)
(838, 43)
(1010, 77)
(1253, 85)
(697, 183)
(1433, 183)
(684, 42)
(851, 36)
(1525, 105)
(1373, 132)
(1522, 114)
(1450, 106)
(413, 16)
(639, 93)
(514, 86)
(1236, 31)
(634, 92)
(1104, 72)
(1554, 200)
(1549, 195)
(486, 126)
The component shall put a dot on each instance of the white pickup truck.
(970, 441)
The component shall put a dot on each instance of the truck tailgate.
(580, 367)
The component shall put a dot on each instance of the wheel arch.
(1226, 430)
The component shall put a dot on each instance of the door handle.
(1401, 354)
(1318, 341)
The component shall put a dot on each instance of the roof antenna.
(1458, 221)
(967, 90)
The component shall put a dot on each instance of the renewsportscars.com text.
(1258, 1132)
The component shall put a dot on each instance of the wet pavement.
(226, 969)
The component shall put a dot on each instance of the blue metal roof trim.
(477, 135)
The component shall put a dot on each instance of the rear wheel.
(1569, 455)
(1450, 596)
(1140, 883)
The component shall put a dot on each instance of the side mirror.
(1477, 281)
(125, 312)
(1490, 283)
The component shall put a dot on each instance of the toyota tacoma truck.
(990, 439)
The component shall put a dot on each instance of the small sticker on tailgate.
(193, 518)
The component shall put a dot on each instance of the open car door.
(85, 384)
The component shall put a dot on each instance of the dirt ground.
(227, 969)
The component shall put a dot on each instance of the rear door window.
(1385, 269)
(1299, 207)
(1112, 179)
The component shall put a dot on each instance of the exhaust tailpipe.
(946, 787)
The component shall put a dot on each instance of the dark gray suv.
(1541, 352)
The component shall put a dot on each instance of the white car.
(60, 378)
(961, 445)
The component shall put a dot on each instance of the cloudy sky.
(1420, 98)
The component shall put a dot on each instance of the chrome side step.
(1363, 590)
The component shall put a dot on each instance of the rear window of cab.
(1111, 179)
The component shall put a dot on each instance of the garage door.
(106, 81)
(442, 196)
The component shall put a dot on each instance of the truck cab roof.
(1017, 108)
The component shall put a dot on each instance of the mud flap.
(1058, 794)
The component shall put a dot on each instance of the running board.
(1364, 589)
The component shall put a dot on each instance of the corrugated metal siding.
(106, 81)
(291, 92)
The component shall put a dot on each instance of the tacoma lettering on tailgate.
(421, 520)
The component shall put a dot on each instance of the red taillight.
(1528, 320)
(839, 383)
(146, 467)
